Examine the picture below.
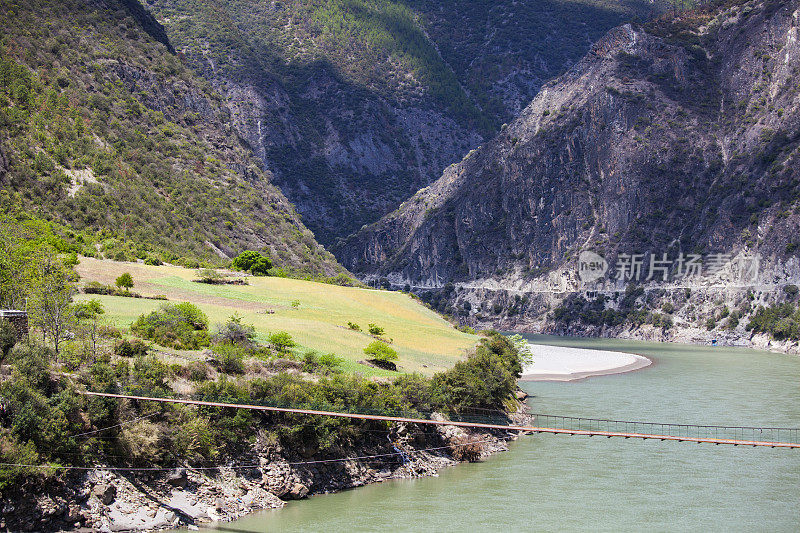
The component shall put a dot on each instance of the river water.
(563, 483)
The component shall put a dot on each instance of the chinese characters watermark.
(665, 268)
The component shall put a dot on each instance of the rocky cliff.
(354, 105)
(679, 136)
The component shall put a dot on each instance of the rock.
(178, 478)
(105, 492)
(298, 491)
(521, 395)
(73, 513)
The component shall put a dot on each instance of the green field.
(424, 341)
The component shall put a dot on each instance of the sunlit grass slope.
(424, 341)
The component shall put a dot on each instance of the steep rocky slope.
(105, 129)
(356, 104)
(680, 136)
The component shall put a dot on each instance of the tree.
(51, 299)
(253, 262)
(89, 314)
(380, 351)
(18, 262)
(523, 348)
(261, 267)
(125, 281)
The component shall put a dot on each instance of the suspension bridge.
(772, 437)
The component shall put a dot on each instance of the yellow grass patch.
(424, 341)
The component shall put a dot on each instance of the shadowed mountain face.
(680, 135)
(354, 105)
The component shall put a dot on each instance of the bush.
(326, 363)
(282, 341)
(197, 371)
(210, 276)
(180, 326)
(149, 375)
(353, 326)
(153, 261)
(253, 262)
(234, 332)
(94, 287)
(376, 330)
(380, 352)
(229, 358)
(135, 348)
(125, 281)
(8, 338)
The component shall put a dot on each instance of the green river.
(575, 483)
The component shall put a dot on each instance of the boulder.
(297, 491)
(105, 492)
(178, 478)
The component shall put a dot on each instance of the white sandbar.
(559, 363)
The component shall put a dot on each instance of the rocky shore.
(105, 499)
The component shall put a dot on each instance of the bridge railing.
(751, 433)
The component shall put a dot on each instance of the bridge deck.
(526, 429)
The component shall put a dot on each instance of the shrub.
(135, 348)
(245, 260)
(330, 362)
(14, 452)
(353, 326)
(310, 361)
(125, 281)
(282, 341)
(376, 330)
(149, 375)
(229, 358)
(234, 332)
(253, 262)
(180, 326)
(8, 338)
(380, 351)
(210, 276)
(197, 371)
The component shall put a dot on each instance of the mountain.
(106, 129)
(677, 136)
(353, 104)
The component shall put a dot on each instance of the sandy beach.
(558, 363)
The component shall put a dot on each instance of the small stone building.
(18, 319)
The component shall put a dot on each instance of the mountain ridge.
(679, 136)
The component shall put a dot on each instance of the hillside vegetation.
(105, 129)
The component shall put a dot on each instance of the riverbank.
(559, 363)
(141, 500)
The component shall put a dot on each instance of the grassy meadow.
(425, 342)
